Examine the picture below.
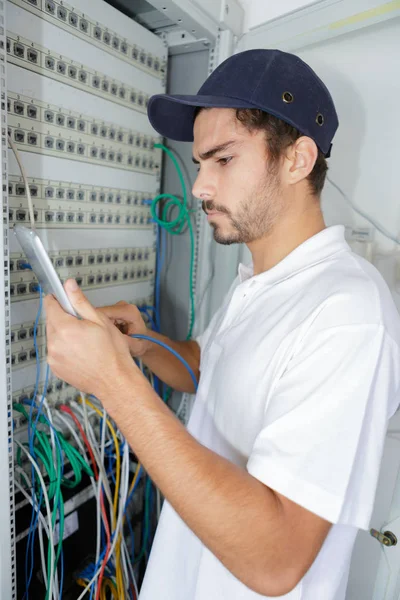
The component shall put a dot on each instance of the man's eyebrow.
(213, 151)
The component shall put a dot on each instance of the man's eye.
(224, 161)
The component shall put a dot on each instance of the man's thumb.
(79, 301)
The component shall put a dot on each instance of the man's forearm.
(237, 518)
(167, 367)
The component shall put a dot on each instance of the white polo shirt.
(300, 372)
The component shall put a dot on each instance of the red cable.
(69, 411)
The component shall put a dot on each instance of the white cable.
(375, 224)
(25, 179)
(127, 561)
(99, 490)
(46, 500)
(50, 418)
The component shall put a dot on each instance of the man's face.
(239, 187)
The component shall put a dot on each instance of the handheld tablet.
(42, 266)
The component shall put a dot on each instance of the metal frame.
(7, 531)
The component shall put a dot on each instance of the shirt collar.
(316, 249)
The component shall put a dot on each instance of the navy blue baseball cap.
(276, 82)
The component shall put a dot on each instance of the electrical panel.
(74, 101)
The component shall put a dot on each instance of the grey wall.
(187, 72)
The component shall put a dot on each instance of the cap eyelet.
(287, 97)
(320, 119)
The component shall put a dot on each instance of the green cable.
(176, 226)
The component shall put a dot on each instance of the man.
(298, 370)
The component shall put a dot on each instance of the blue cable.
(178, 356)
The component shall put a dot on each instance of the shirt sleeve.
(332, 404)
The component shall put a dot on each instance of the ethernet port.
(20, 215)
(73, 19)
(139, 273)
(99, 279)
(127, 220)
(101, 218)
(140, 100)
(32, 139)
(126, 256)
(119, 157)
(62, 13)
(117, 219)
(33, 190)
(8, 45)
(122, 93)
(49, 116)
(145, 272)
(59, 262)
(20, 189)
(100, 259)
(22, 333)
(109, 219)
(132, 97)
(50, 63)
(84, 25)
(129, 200)
(58, 385)
(110, 198)
(130, 160)
(120, 136)
(103, 131)
(96, 81)
(72, 72)
(79, 260)
(12, 290)
(49, 216)
(10, 215)
(33, 288)
(31, 112)
(115, 257)
(115, 42)
(94, 152)
(132, 274)
(19, 136)
(97, 33)
(80, 217)
(80, 149)
(60, 219)
(49, 142)
(60, 120)
(18, 108)
(32, 354)
(139, 256)
(19, 50)
(94, 129)
(50, 7)
(70, 147)
(103, 154)
(79, 280)
(33, 56)
(90, 280)
(21, 288)
(91, 259)
(142, 58)
(115, 277)
(118, 199)
(12, 337)
(107, 258)
(124, 48)
(70, 194)
(11, 265)
(133, 255)
(106, 37)
(35, 215)
(135, 53)
(111, 134)
(69, 261)
(31, 332)
(61, 67)
(60, 193)
(150, 62)
(156, 65)
(50, 389)
(49, 192)
(111, 156)
(93, 196)
(131, 139)
(71, 122)
(82, 76)
(125, 275)
(22, 357)
(114, 89)
(107, 278)
(81, 195)
(81, 125)
(92, 218)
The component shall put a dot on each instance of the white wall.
(258, 12)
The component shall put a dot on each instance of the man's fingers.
(117, 311)
(54, 312)
(80, 303)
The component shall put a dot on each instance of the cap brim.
(172, 116)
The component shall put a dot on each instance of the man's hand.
(89, 353)
(129, 321)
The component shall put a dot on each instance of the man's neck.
(292, 229)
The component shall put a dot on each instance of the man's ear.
(301, 157)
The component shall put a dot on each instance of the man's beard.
(255, 217)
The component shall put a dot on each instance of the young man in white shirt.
(299, 370)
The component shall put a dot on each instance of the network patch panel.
(22, 344)
(69, 140)
(92, 269)
(68, 18)
(61, 121)
(60, 204)
(28, 55)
